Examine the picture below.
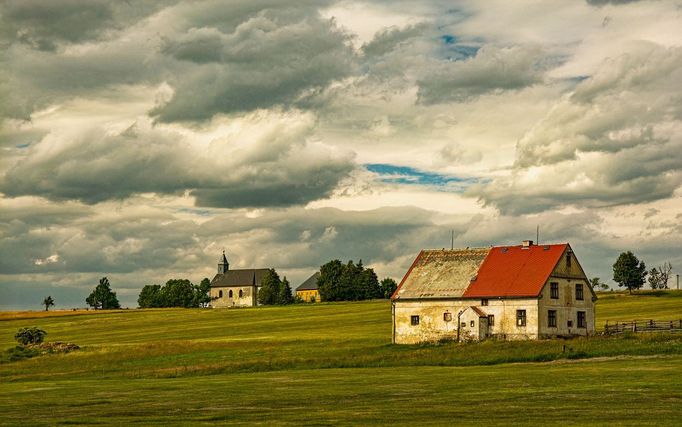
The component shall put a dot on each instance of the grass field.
(334, 364)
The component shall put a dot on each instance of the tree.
(178, 293)
(47, 302)
(596, 284)
(150, 297)
(329, 282)
(655, 279)
(27, 336)
(269, 293)
(658, 277)
(629, 272)
(285, 294)
(102, 297)
(202, 293)
(388, 287)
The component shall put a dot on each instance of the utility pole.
(537, 235)
(452, 240)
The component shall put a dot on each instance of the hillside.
(331, 363)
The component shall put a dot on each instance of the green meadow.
(333, 363)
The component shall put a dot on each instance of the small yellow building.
(509, 292)
(307, 290)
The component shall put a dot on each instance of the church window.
(241, 293)
(229, 294)
(220, 293)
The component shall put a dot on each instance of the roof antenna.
(452, 240)
(537, 235)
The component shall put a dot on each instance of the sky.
(140, 139)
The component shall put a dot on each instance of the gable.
(310, 283)
(440, 273)
(515, 271)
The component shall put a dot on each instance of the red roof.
(515, 271)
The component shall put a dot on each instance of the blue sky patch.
(411, 176)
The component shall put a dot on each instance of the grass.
(334, 364)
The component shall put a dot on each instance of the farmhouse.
(508, 292)
(235, 288)
(307, 290)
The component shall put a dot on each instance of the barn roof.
(310, 283)
(243, 277)
(440, 273)
(515, 271)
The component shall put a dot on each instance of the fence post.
(634, 326)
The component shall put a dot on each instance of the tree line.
(175, 293)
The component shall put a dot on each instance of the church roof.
(242, 277)
(310, 283)
(441, 273)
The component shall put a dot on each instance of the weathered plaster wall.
(566, 307)
(433, 327)
(248, 298)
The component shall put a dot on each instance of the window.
(229, 294)
(464, 324)
(568, 260)
(241, 293)
(520, 317)
(491, 320)
(551, 318)
(581, 320)
(473, 323)
(554, 290)
(579, 291)
(220, 293)
(570, 323)
(484, 302)
(414, 320)
(447, 316)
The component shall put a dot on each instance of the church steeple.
(223, 265)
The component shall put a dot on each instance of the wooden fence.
(643, 326)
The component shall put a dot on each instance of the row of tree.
(175, 293)
(351, 282)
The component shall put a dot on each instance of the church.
(235, 288)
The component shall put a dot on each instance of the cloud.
(615, 140)
(264, 63)
(493, 69)
(267, 162)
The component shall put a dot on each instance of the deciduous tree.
(47, 302)
(102, 297)
(629, 272)
(388, 287)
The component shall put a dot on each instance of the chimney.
(527, 243)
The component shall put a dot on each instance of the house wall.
(433, 327)
(566, 307)
(248, 298)
(307, 295)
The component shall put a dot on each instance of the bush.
(26, 336)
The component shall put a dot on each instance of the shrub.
(26, 336)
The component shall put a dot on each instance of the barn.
(526, 291)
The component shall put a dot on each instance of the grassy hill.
(334, 364)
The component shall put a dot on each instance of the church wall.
(248, 298)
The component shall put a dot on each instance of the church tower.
(223, 265)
